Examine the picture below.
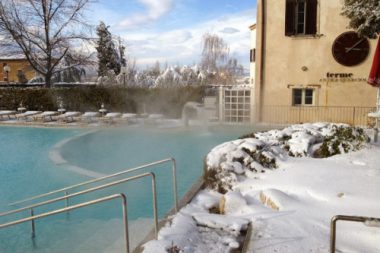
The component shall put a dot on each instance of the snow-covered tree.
(109, 79)
(121, 47)
(170, 78)
(44, 31)
(68, 71)
(108, 55)
(364, 16)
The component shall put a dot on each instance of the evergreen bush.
(167, 101)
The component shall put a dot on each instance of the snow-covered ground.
(288, 196)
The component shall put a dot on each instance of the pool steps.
(67, 196)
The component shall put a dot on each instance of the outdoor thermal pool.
(27, 170)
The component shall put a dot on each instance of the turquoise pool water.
(26, 170)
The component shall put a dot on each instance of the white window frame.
(237, 105)
(303, 98)
(304, 17)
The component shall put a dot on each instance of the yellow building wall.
(304, 61)
(15, 65)
(285, 57)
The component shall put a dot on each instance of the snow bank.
(259, 152)
(289, 207)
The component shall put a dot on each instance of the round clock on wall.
(349, 49)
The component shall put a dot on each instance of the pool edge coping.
(56, 157)
(186, 199)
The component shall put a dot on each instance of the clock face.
(349, 49)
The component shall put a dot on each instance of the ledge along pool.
(26, 170)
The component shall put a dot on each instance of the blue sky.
(171, 30)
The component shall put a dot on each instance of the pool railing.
(77, 206)
(367, 221)
(65, 190)
(67, 197)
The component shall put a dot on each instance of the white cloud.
(176, 36)
(184, 46)
(155, 10)
(229, 30)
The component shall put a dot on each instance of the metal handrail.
(368, 221)
(84, 204)
(65, 189)
(67, 197)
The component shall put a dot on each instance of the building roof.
(252, 27)
(4, 57)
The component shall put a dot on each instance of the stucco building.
(16, 65)
(308, 65)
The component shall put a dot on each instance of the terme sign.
(341, 77)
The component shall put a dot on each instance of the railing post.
(333, 234)
(375, 134)
(299, 115)
(155, 212)
(33, 224)
(125, 221)
(67, 199)
(175, 185)
(67, 204)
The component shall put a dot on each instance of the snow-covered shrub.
(173, 249)
(256, 153)
(341, 140)
(232, 159)
(108, 80)
(219, 180)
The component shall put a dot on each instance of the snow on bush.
(256, 153)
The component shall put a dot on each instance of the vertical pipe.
(67, 203)
(33, 224)
(67, 199)
(221, 105)
(262, 60)
(125, 221)
(376, 133)
(333, 234)
(154, 191)
(354, 116)
(175, 185)
(299, 115)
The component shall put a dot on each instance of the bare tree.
(216, 61)
(215, 52)
(45, 31)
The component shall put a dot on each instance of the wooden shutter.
(311, 17)
(290, 18)
(252, 57)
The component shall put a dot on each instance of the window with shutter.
(311, 17)
(253, 55)
(290, 13)
(301, 17)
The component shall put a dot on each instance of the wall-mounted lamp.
(7, 69)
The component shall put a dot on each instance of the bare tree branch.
(45, 31)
